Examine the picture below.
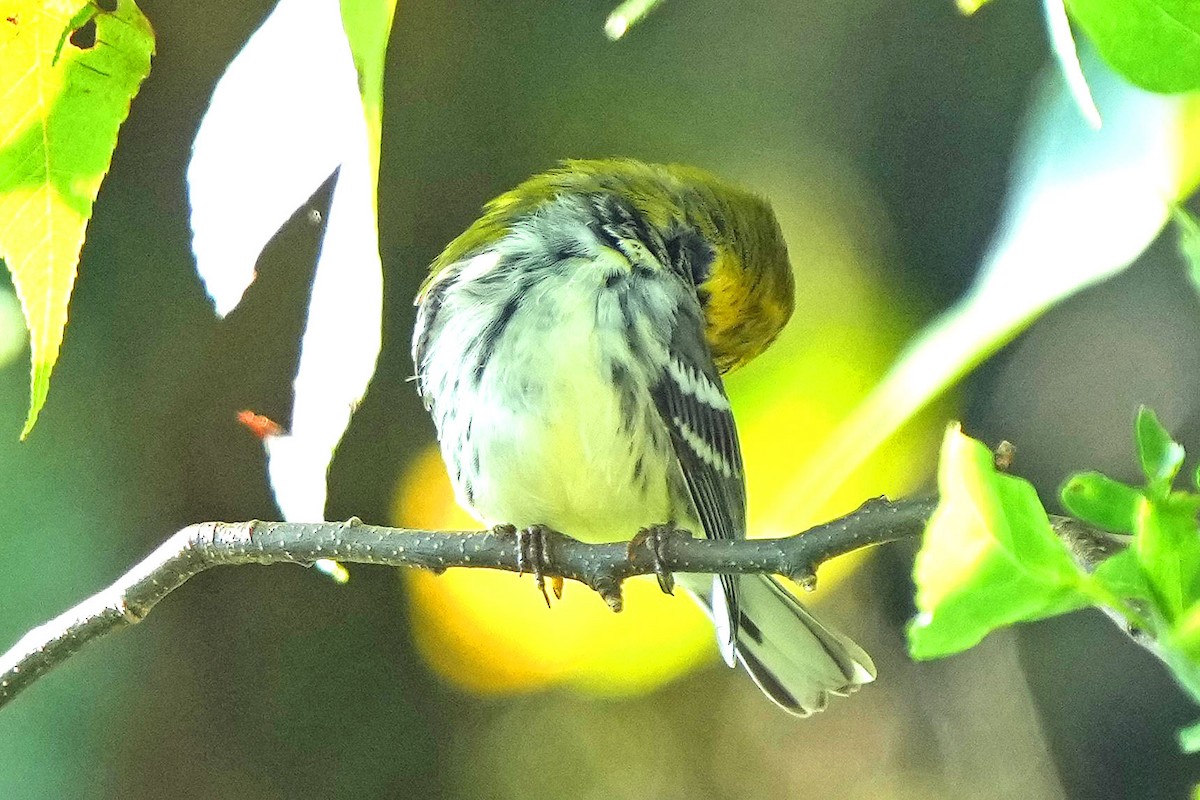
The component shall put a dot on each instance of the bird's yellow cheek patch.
(727, 297)
(490, 631)
(738, 326)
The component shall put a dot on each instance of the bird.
(570, 346)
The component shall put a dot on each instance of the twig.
(600, 566)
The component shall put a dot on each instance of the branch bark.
(602, 567)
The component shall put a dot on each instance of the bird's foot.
(532, 545)
(654, 538)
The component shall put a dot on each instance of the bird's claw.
(531, 555)
(654, 538)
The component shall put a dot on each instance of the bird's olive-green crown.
(747, 295)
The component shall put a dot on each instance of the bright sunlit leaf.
(367, 26)
(62, 108)
(1082, 205)
(276, 128)
(1154, 44)
(302, 99)
(990, 557)
(1186, 633)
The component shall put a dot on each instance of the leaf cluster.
(992, 557)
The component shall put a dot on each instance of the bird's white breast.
(542, 434)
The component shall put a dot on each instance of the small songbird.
(570, 346)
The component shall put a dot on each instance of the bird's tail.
(795, 659)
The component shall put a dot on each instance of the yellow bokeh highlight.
(969, 7)
(491, 632)
(846, 332)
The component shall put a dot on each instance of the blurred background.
(882, 132)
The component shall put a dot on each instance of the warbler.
(570, 345)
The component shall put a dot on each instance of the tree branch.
(197, 548)
(603, 567)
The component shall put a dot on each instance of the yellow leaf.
(59, 115)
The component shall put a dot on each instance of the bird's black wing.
(692, 403)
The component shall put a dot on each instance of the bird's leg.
(531, 554)
(654, 538)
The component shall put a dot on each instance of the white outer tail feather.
(795, 659)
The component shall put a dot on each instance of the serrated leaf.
(1160, 455)
(990, 557)
(1155, 44)
(1102, 501)
(62, 108)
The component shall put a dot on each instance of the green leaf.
(1167, 545)
(990, 557)
(1105, 503)
(1161, 456)
(367, 24)
(1189, 742)
(1155, 44)
(57, 135)
(1183, 665)
(1189, 242)
(1186, 633)
(1121, 575)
